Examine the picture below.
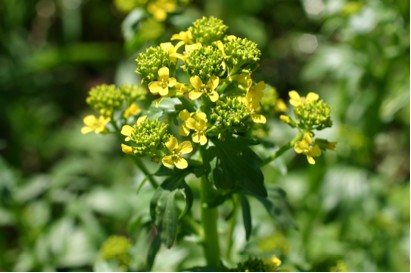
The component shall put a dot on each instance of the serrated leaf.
(247, 220)
(237, 167)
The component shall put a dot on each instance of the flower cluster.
(311, 114)
(107, 100)
(116, 248)
(158, 9)
(207, 75)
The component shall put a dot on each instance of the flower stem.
(282, 150)
(209, 219)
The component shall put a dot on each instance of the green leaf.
(247, 220)
(152, 252)
(236, 167)
(165, 215)
(277, 206)
(163, 207)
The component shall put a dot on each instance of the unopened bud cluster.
(231, 115)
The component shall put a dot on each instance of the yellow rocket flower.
(161, 86)
(176, 151)
(93, 124)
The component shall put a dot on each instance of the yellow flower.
(273, 263)
(296, 100)
(244, 80)
(161, 86)
(252, 101)
(160, 8)
(200, 88)
(305, 147)
(285, 119)
(128, 130)
(176, 150)
(132, 110)
(184, 36)
(127, 149)
(172, 50)
(94, 125)
(280, 106)
(196, 122)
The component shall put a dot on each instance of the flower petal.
(127, 149)
(193, 95)
(171, 82)
(258, 118)
(196, 82)
(213, 82)
(167, 161)
(295, 98)
(312, 97)
(163, 91)
(164, 72)
(141, 119)
(180, 163)
(184, 114)
(171, 143)
(89, 120)
(155, 87)
(183, 130)
(127, 130)
(213, 96)
(310, 160)
(86, 130)
(185, 147)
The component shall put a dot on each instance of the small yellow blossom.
(132, 110)
(160, 8)
(200, 88)
(252, 101)
(128, 130)
(127, 149)
(196, 122)
(172, 50)
(305, 147)
(280, 106)
(273, 263)
(244, 80)
(296, 100)
(94, 125)
(176, 151)
(285, 119)
(184, 36)
(161, 86)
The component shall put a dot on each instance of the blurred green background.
(62, 193)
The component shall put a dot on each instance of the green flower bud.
(205, 62)
(241, 54)
(105, 99)
(313, 115)
(207, 30)
(150, 61)
(116, 248)
(147, 137)
(133, 92)
(231, 114)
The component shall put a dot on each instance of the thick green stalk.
(209, 219)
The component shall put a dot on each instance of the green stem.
(233, 223)
(146, 172)
(282, 150)
(209, 218)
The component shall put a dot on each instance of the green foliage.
(63, 194)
